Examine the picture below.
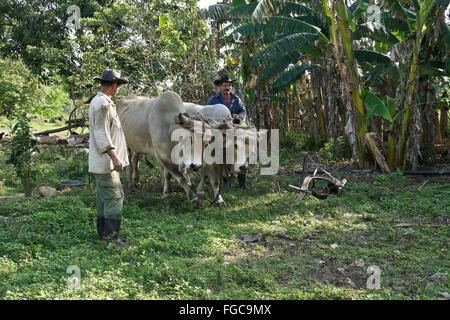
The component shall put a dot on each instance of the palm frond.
(294, 9)
(375, 75)
(277, 25)
(290, 43)
(290, 76)
(279, 66)
(375, 31)
(356, 6)
(427, 70)
(394, 24)
(371, 57)
(244, 11)
(215, 12)
(266, 8)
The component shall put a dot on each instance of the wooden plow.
(334, 186)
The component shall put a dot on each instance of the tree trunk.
(416, 137)
(27, 183)
(430, 121)
(411, 88)
(351, 74)
(444, 120)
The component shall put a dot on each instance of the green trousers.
(109, 195)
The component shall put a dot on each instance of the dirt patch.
(350, 276)
(257, 247)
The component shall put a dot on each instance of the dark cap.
(112, 75)
(222, 79)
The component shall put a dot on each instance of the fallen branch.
(421, 186)
(442, 185)
(74, 140)
(370, 139)
(47, 132)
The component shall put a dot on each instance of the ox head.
(242, 142)
(193, 140)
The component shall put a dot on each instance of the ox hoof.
(165, 195)
(220, 204)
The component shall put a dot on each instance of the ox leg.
(215, 178)
(167, 189)
(166, 182)
(135, 177)
(201, 185)
(182, 179)
(183, 170)
(129, 171)
(133, 172)
(227, 175)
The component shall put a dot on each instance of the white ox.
(219, 115)
(148, 125)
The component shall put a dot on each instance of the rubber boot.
(241, 179)
(112, 231)
(101, 229)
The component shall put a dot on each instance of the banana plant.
(290, 33)
(419, 20)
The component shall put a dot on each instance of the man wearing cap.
(237, 109)
(108, 155)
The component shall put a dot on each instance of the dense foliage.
(157, 44)
(345, 68)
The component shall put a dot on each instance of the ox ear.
(183, 121)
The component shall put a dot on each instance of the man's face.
(114, 88)
(225, 88)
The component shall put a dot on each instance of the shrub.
(300, 142)
(22, 146)
(335, 150)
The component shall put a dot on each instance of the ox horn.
(182, 120)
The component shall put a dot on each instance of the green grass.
(40, 125)
(41, 237)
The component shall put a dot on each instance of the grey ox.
(220, 117)
(148, 125)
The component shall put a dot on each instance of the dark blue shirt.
(236, 105)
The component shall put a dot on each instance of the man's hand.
(117, 165)
(235, 116)
(116, 162)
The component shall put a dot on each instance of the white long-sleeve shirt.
(105, 133)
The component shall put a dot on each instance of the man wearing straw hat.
(108, 155)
